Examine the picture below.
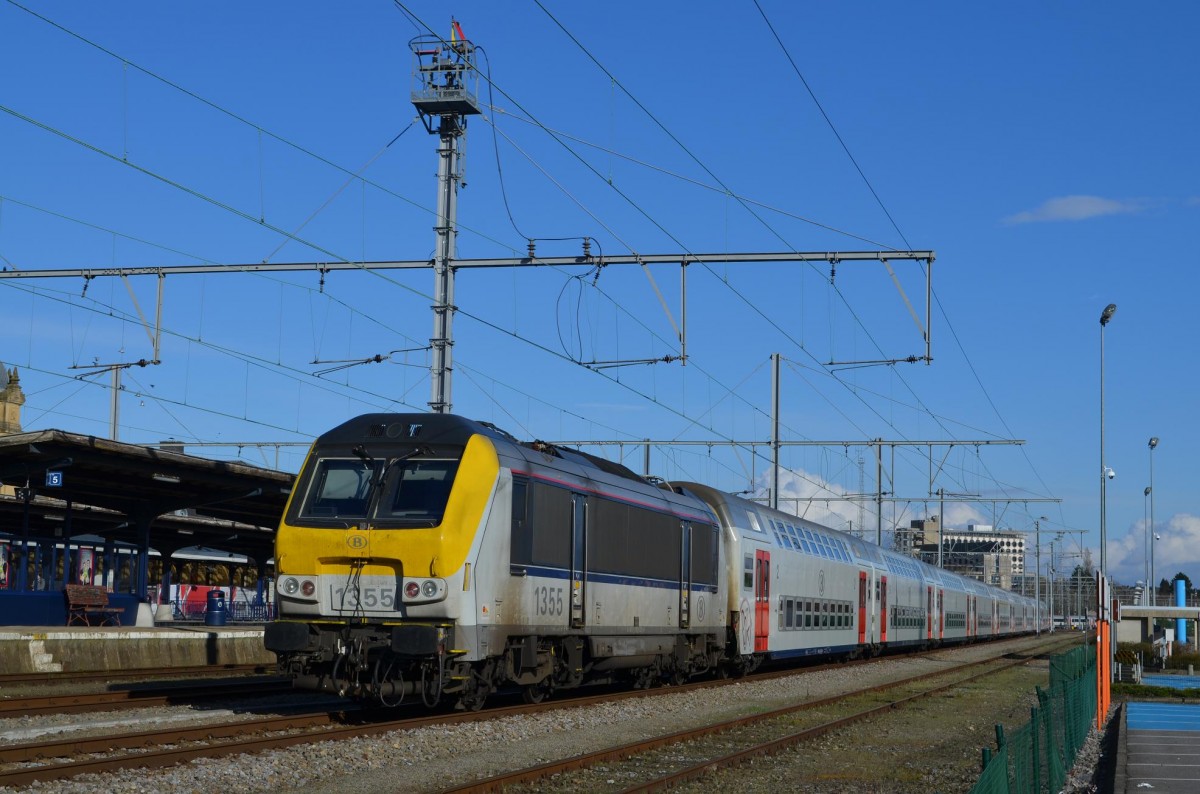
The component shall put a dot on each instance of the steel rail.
(137, 673)
(139, 698)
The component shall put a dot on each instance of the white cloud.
(1075, 208)
(843, 514)
(1176, 549)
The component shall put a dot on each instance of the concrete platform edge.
(53, 649)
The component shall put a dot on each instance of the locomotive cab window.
(341, 488)
(418, 490)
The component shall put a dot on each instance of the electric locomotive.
(432, 556)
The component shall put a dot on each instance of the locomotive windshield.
(411, 491)
(417, 490)
(341, 488)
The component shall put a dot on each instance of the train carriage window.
(748, 572)
(824, 614)
(807, 548)
(789, 607)
(519, 550)
(808, 615)
(632, 541)
(705, 554)
(550, 518)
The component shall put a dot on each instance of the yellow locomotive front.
(372, 555)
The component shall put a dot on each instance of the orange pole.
(1103, 673)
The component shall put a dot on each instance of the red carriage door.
(883, 615)
(862, 607)
(762, 599)
(929, 612)
(941, 609)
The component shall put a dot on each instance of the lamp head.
(1147, 491)
(1153, 442)
(1107, 314)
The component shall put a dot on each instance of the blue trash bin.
(216, 613)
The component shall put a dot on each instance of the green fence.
(1035, 758)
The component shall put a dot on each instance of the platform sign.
(54, 479)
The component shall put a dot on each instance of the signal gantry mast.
(444, 87)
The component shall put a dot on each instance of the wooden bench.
(86, 602)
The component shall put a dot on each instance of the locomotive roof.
(454, 430)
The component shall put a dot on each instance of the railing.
(236, 611)
(1036, 757)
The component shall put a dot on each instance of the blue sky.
(1045, 152)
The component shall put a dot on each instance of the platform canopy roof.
(113, 488)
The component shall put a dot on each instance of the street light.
(1104, 650)
(1105, 316)
(1150, 490)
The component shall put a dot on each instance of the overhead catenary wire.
(891, 219)
(519, 337)
(682, 146)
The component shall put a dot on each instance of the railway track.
(136, 698)
(167, 747)
(138, 674)
(695, 753)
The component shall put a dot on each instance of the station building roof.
(118, 490)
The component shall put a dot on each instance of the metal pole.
(775, 431)
(1051, 583)
(1146, 541)
(941, 523)
(115, 409)
(443, 296)
(1037, 533)
(1153, 593)
(1105, 316)
(879, 494)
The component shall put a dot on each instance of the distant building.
(996, 557)
(11, 400)
(1010, 546)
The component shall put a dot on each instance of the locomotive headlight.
(429, 588)
(290, 586)
(308, 588)
(411, 590)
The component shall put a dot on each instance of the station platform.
(58, 649)
(1159, 748)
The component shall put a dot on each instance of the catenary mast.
(444, 79)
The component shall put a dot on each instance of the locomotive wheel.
(472, 701)
(535, 693)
